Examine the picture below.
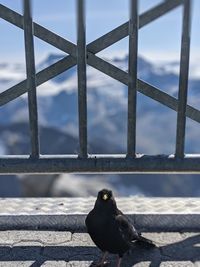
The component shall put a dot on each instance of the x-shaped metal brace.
(93, 60)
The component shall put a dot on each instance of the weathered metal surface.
(31, 78)
(100, 164)
(132, 78)
(122, 31)
(81, 68)
(77, 55)
(118, 74)
(100, 43)
(183, 79)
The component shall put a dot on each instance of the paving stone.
(82, 238)
(177, 264)
(162, 239)
(25, 253)
(54, 248)
(16, 263)
(5, 251)
(54, 264)
(143, 264)
(56, 253)
(79, 264)
(20, 238)
(185, 250)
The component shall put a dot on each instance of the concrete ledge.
(148, 214)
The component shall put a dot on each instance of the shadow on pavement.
(186, 250)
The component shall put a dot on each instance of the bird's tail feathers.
(145, 241)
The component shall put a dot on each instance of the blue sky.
(160, 40)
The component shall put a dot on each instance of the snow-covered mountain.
(107, 122)
(107, 105)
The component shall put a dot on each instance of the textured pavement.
(69, 206)
(148, 214)
(43, 245)
(54, 248)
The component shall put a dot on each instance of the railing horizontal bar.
(183, 79)
(132, 78)
(100, 163)
(31, 78)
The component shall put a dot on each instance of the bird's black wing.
(129, 233)
(127, 230)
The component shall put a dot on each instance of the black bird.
(110, 229)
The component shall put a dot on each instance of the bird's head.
(105, 199)
(105, 195)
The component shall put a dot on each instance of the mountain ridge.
(107, 122)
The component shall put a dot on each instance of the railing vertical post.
(132, 78)
(81, 67)
(31, 78)
(183, 80)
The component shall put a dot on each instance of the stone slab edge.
(76, 223)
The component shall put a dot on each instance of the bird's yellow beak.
(105, 197)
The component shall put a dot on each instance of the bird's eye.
(105, 197)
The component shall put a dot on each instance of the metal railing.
(82, 54)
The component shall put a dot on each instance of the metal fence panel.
(81, 55)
